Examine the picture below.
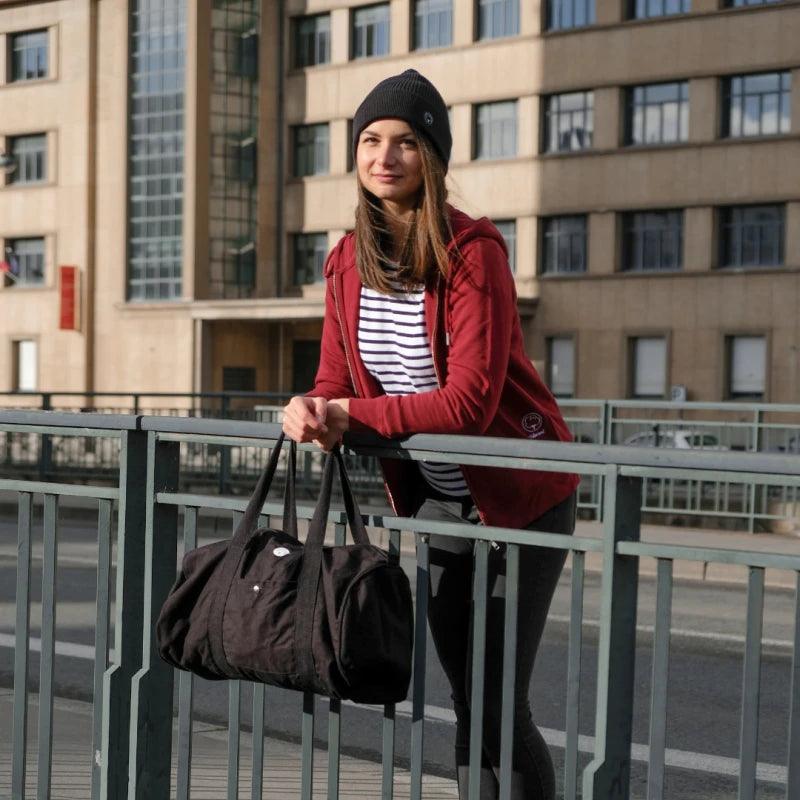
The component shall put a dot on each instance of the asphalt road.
(704, 682)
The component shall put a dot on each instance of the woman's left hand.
(337, 421)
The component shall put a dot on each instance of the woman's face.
(389, 163)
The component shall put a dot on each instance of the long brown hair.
(423, 255)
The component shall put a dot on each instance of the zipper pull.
(447, 338)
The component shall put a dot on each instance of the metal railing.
(133, 690)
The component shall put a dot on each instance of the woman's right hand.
(304, 418)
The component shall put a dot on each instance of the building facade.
(191, 163)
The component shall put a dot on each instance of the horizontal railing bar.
(201, 395)
(680, 473)
(70, 420)
(78, 432)
(62, 489)
(677, 552)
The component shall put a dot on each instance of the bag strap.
(308, 582)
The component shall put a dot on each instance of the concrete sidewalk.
(72, 762)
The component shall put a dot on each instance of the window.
(309, 251)
(658, 114)
(747, 366)
(30, 155)
(561, 365)
(239, 266)
(563, 14)
(569, 121)
(371, 31)
(26, 365)
(25, 261)
(508, 228)
(648, 366)
(238, 379)
(564, 244)
(751, 236)
(243, 160)
(757, 105)
(498, 18)
(652, 241)
(433, 23)
(496, 130)
(312, 40)
(305, 362)
(28, 56)
(311, 146)
(646, 9)
(741, 3)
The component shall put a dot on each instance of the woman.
(422, 335)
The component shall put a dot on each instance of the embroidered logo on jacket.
(533, 425)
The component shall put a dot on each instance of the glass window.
(561, 365)
(569, 121)
(310, 250)
(563, 14)
(305, 363)
(24, 261)
(652, 241)
(433, 23)
(26, 365)
(30, 155)
(496, 130)
(498, 18)
(752, 236)
(564, 244)
(238, 379)
(312, 40)
(747, 366)
(371, 31)
(648, 366)
(508, 229)
(658, 114)
(311, 147)
(645, 9)
(757, 105)
(28, 55)
(741, 3)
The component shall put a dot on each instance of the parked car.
(679, 438)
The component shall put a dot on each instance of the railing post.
(151, 688)
(46, 443)
(225, 452)
(754, 492)
(605, 438)
(128, 618)
(607, 777)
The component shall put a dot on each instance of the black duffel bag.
(335, 620)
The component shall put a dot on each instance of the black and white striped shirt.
(395, 349)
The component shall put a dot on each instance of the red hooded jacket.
(488, 386)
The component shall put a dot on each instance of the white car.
(679, 438)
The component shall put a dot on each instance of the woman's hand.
(304, 418)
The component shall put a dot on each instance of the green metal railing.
(133, 689)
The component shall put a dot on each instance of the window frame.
(549, 339)
(545, 236)
(12, 142)
(626, 229)
(481, 35)
(297, 22)
(416, 34)
(354, 12)
(632, 8)
(723, 246)
(297, 130)
(590, 8)
(729, 339)
(510, 240)
(633, 340)
(320, 246)
(478, 140)
(22, 279)
(16, 363)
(586, 111)
(631, 106)
(782, 93)
(12, 39)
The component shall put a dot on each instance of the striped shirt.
(394, 347)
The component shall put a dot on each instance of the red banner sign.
(69, 298)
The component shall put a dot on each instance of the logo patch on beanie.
(428, 117)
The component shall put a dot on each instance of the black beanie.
(413, 98)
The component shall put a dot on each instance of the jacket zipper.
(352, 373)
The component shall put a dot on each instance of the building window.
(26, 365)
(561, 365)
(30, 156)
(752, 236)
(658, 114)
(28, 56)
(498, 18)
(564, 244)
(569, 121)
(155, 150)
(433, 23)
(24, 261)
(647, 9)
(312, 40)
(309, 252)
(508, 229)
(757, 105)
(652, 241)
(648, 366)
(496, 130)
(238, 379)
(305, 363)
(563, 14)
(742, 3)
(746, 367)
(371, 31)
(311, 148)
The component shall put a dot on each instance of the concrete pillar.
(3, 59)
(610, 12)
(792, 253)
(531, 18)
(527, 126)
(602, 244)
(703, 109)
(705, 6)
(698, 239)
(340, 35)
(794, 101)
(463, 23)
(607, 118)
(526, 253)
(400, 27)
(461, 116)
(339, 146)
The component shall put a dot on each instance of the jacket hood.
(465, 229)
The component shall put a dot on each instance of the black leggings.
(450, 615)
